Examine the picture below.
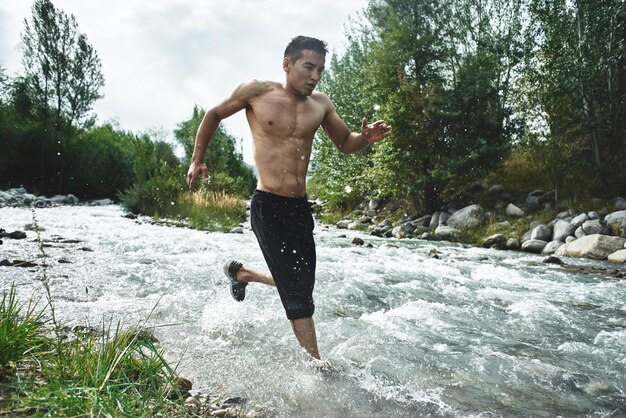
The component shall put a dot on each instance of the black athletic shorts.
(284, 228)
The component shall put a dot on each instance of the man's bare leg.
(304, 329)
(246, 275)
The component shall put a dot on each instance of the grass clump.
(211, 211)
(115, 372)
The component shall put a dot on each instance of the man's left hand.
(374, 132)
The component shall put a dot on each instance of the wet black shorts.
(284, 228)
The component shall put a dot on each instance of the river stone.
(580, 232)
(551, 247)
(468, 217)
(562, 230)
(570, 239)
(579, 220)
(619, 204)
(542, 233)
(617, 218)
(343, 224)
(495, 241)
(618, 257)
(594, 246)
(512, 244)
(534, 246)
(512, 210)
(423, 221)
(593, 215)
(403, 230)
(446, 233)
(594, 226)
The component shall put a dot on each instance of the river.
(473, 333)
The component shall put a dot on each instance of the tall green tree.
(575, 80)
(342, 179)
(62, 66)
(227, 170)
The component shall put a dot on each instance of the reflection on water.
(473, 333)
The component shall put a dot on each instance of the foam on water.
(474, 333)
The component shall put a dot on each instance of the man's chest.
(280, 116)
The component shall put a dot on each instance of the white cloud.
(161, 57)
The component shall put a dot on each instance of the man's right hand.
(196, 169)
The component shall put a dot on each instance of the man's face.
(304, 74)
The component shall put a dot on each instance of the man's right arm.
(236, 102)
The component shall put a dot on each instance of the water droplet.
(348, 189)
(172, 203)
(302, 157)
(376, 106)
(294, 251)
(58, 153)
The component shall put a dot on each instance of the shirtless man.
(283, 119)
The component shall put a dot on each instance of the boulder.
(562, 230)
(618, 257)
(534, 246)
(446, 233)
(541, 232)
(423, 221)
(594, 246)
(512, 244)
(579, 220)
(551, 247)
(619, 203)
(468, 217)
(617, 218)
(343, 224)
(495, 241)
(403, 230)
(594, 226)
(514, 211)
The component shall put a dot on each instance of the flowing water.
(473, 333)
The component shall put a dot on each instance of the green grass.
(210, 211)
(115, 372)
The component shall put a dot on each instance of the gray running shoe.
(237, 288)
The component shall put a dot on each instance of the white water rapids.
(475, 333)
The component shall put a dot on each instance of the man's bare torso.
(283, 126)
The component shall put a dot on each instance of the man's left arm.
(347, 141)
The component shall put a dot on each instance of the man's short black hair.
(301, 43)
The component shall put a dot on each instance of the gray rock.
(101, 202)
(593, 215)
(512, 244)
(403, 230)
(237, 230)
(617, 218)
(595, 246)
(468, 217)
(374, 204)
(358, 241)
(423, 221)
(551, 247)
(446, 233)
(594, 226)
(526, 236)
(495, 241)
(553, 260)
(580, 232)
(579, 220)
(542, 233)
(562, 230)
(619, 203)
(569, 239)
(343, 224)
(531, 203)
(534, 246)
(512, 210)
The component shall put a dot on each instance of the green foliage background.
(528, 93)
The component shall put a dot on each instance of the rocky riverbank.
(598, 234)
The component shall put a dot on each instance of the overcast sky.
(161, 57)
